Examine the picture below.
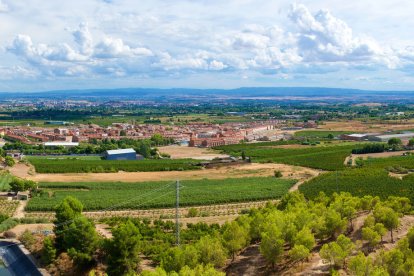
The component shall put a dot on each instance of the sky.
(83, 44)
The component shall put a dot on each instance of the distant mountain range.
(245, 93)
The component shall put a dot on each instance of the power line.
(177, 211)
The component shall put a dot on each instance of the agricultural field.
(373, 178)
(145, 195)
(325, 156)
(318, 134)
(8, 207)
(95, 165)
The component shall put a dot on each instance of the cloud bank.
(306, 46)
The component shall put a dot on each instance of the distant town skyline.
(58, 45)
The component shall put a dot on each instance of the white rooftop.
(120, 151)
(54, 144)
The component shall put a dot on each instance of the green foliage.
(299, 253)
(360, 265)
(336, 252)
(371, 236)
(305, 238)
(117, 195)
(9, 161)
(19, 184)
(388, 217)
(235, 237)
(75, 234)
(278, 174)
(211, 251)
(394, 141)
(124, 249)
(272, 243)
(49, 251)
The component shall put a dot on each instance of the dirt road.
(240, 171)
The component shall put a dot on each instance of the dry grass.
(243, 170)
(178, 152)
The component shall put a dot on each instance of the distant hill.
(245, 93)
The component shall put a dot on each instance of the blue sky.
(48, 45)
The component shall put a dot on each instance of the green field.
(95, 165)
(314, 134)
(371, 179)
(121, 196)
(326, 156)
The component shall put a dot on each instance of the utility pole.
(337, 187)
(177, 212)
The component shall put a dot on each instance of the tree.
(157, 139)
(145, 150)
(211, 251)
(411, 142)
(305, 238)
(388, 217)
(68, 210)
(371, 236)
(81, 240)
(299, 253)
(410, 238)
(336, 252)
(334, 223)
(380, 229)
(235, 237)
(19, 185)
(49, 251)
(122, 133)
(272, 243)
(9, 161)
(394, 142)
(278, 174)
(124, 249)
(330, 136)
(360, 265)
(243, 155)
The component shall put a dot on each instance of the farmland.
(95, 165)
(326, 156)
(315, 134)
(144, 195)
(371, 179)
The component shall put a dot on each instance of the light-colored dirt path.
(240, 171)
(19, 213)
(180, 152)
(103, 229)
(19, 229)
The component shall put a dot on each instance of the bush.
(9, 235)
(278, 174)
(192, 212)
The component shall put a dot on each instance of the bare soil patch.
(21, 170)
(243, 170)
(181, 152)
(358, 126)
(19, 229)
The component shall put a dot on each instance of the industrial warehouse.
(122, 154)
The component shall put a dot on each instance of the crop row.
(326, 157)
(96, 166)
(129, 196)
(371, 179)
